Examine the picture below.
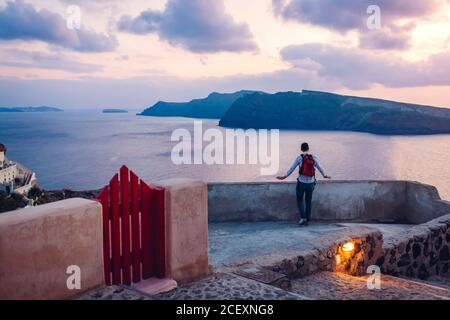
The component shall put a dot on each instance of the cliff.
(310, 110)
(212, 107)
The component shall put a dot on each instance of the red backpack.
(307, 168)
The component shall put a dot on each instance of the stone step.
(339, 286)
(436, 281)
(154, 286)
(114, 293)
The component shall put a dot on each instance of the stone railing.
(356, 201)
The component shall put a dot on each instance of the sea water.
(82, 150)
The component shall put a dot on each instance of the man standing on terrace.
(306, 181)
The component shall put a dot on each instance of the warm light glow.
(349, 246)
(338, 259)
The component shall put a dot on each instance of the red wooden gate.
(133, 229)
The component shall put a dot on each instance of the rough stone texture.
(264, 275)
(357, 201)
(320, 286)
(186, 229)
(224, 286)
(339, 286)
(38, 244)
(49, 196)
(408, 250)
(420, 252)
(438, 281)
(114, 293)
(323, 256)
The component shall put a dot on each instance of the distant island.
(212, 107)
(310, 110)
(114, 111)
(30, 109)
(313, 110)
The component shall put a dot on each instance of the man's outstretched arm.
(322, 172)
(297, 162)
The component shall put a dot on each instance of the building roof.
(2, 148)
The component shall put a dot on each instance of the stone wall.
(329, 255)
(356, 201)
(420, 252)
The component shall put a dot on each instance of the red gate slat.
(115, 228)
(146, 214)
(160, 240)
(103, 198)
(135, 227)
(125, 225)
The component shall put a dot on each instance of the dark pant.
(305, 190)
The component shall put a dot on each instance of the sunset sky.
(131, 54)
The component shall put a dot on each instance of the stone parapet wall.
(419, 252)
(355, 201)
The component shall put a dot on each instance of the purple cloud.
(197, 25)
(21, 21)
(314, 66)
(39, 60)
(360, 69)
(348, 15)
(388, 38)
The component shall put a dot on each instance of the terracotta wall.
(38, 245)
(187, 229)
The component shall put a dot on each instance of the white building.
(13, 176)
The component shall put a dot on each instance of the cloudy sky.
(133, 53)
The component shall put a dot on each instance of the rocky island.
(312, 110)
(212, 107)
(30, 109)
(114, 111)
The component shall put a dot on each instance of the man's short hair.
(305, 147)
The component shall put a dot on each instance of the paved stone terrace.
(114, 293)
(229, 287)
(339, 286)
(320, 286)
(233, 242)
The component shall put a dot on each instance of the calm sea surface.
(83, 149)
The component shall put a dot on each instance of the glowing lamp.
(348, 247)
